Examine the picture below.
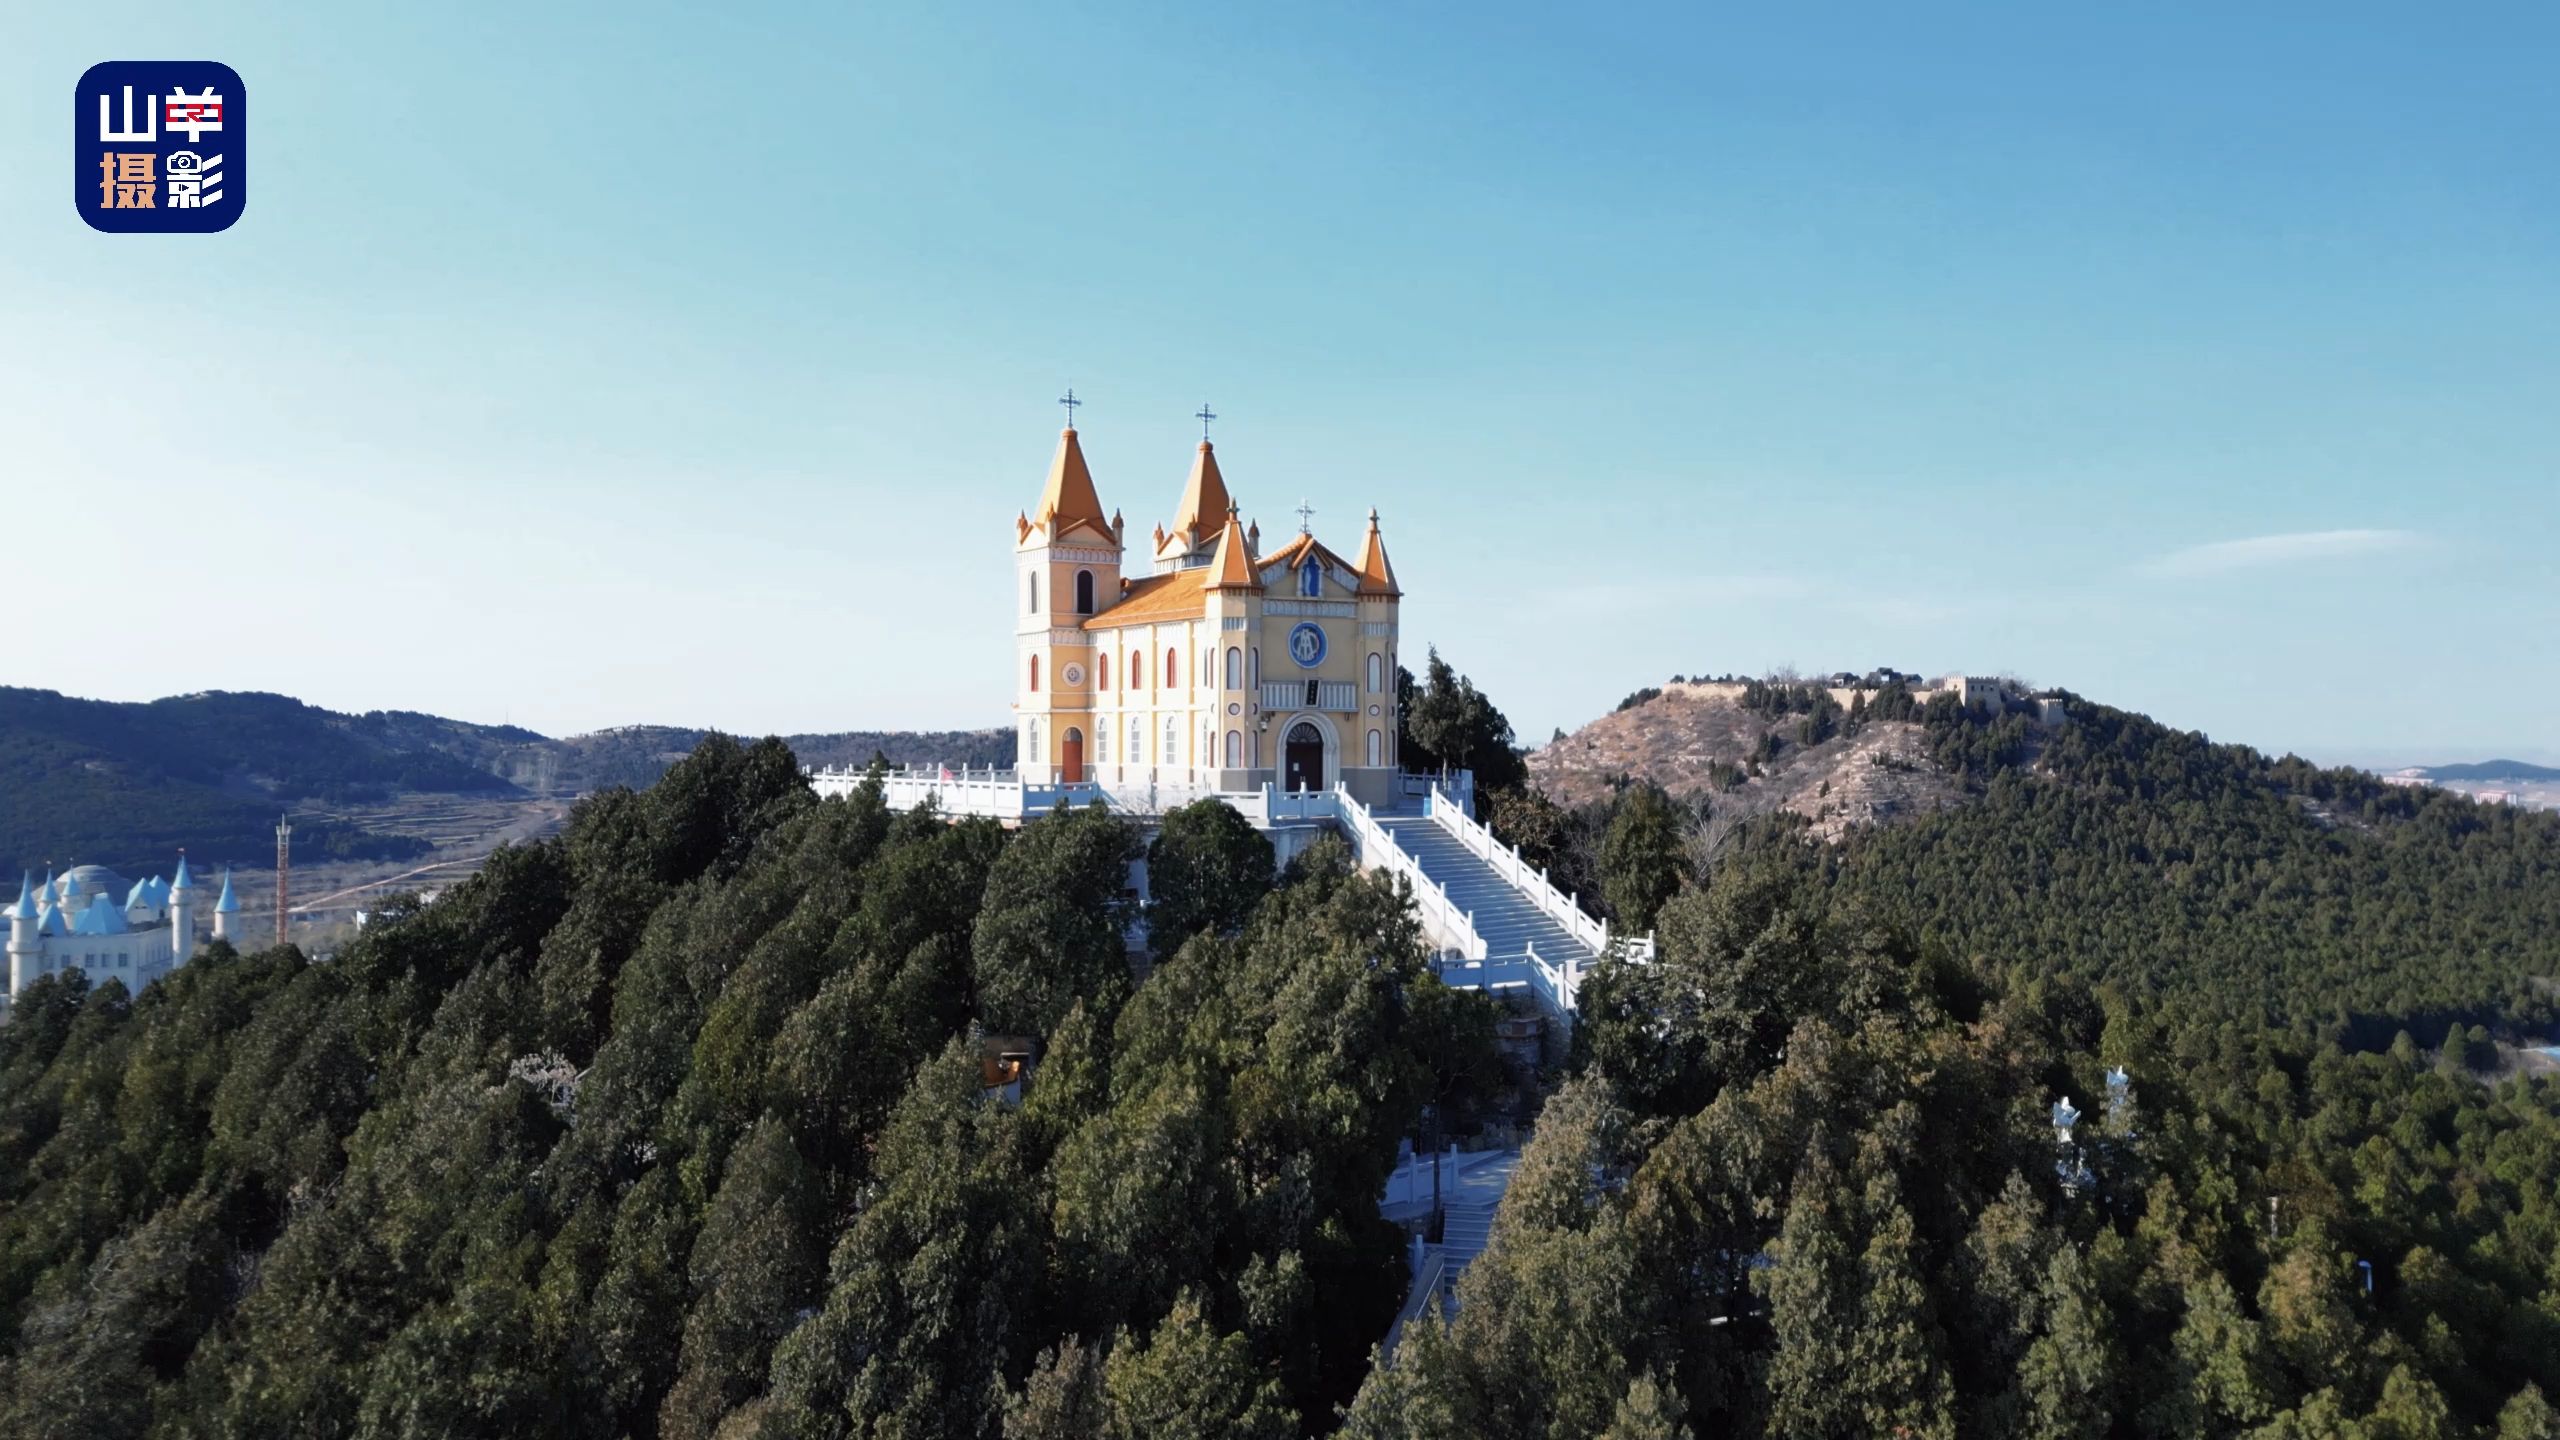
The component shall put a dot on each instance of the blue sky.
(592, 364)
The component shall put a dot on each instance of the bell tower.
(1067, 559)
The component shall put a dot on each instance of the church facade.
(1204, 662)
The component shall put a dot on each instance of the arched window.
(1377, 744)
(1031, 592)
(1172, 743)
(1084, 592)
(1035, 672)
(1377, 672)
(1137, 742)
(1235, 668)
(1102, 672)
(1256, 662)
(1170, 655)
(1310, 578)
(1137, 672)
(1235, 746)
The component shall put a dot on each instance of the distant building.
(76, 922)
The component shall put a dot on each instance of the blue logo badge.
(160, 146)
(1306, 644)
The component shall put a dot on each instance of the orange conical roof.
(1068, 500)
(1377, 577)
(1205, 501)
(1232, 567)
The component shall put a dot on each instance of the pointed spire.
(183, 880)
(1205, 502)
(1232, 567)
(1377, 577)
(25, 909)
(1069, 499)
(228, 904)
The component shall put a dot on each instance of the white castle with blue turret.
(75, 921)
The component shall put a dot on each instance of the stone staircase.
(1509, 922)
(1466, 1228)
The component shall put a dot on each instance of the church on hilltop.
(1206, 664)
(1207, 669)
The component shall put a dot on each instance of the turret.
(182, 914)
(24, 945)
(1067, 554)
(226, 912)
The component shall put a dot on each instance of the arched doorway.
(1303, 758)
(1071, 757)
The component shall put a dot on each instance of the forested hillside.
(680, 1124)
(126, 785)
(2114, 849)
(1807, 1185)
(674, 1125)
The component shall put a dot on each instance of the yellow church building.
(1206, 665)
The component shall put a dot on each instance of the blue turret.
(182, 915)
(226, 910)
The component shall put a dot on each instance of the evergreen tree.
(1188, 1382)
(1206, 870)
(1055, 922)
(1643, 861)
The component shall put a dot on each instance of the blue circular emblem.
(1306, 644)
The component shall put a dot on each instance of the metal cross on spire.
(1306, 518)
(1204, 415)
(1071, 402)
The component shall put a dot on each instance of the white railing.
(1378, 850)
(1530, 881)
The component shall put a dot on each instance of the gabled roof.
(1068, 501)
(1232, 567)
(49, 921)
(1298, 550)
(1377, 577)
(101, 918)
(1175, 596)
(1205, 503)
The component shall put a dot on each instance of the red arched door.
(1071, 756)
(1302, 758)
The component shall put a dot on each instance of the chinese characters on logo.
(160, 146)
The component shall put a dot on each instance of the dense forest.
(1806, 1183)
(677, 1124)
(699, 1120)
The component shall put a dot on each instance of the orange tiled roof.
(1299, 549)
(1153, 598)
(1377, 577)
(1205, 502)
(1068, 501)
(1232, 569)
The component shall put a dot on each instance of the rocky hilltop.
(1749, 753)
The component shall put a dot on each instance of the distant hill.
(1777, 749)
(126, 784)
(2490, 770)
(2079, 839)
